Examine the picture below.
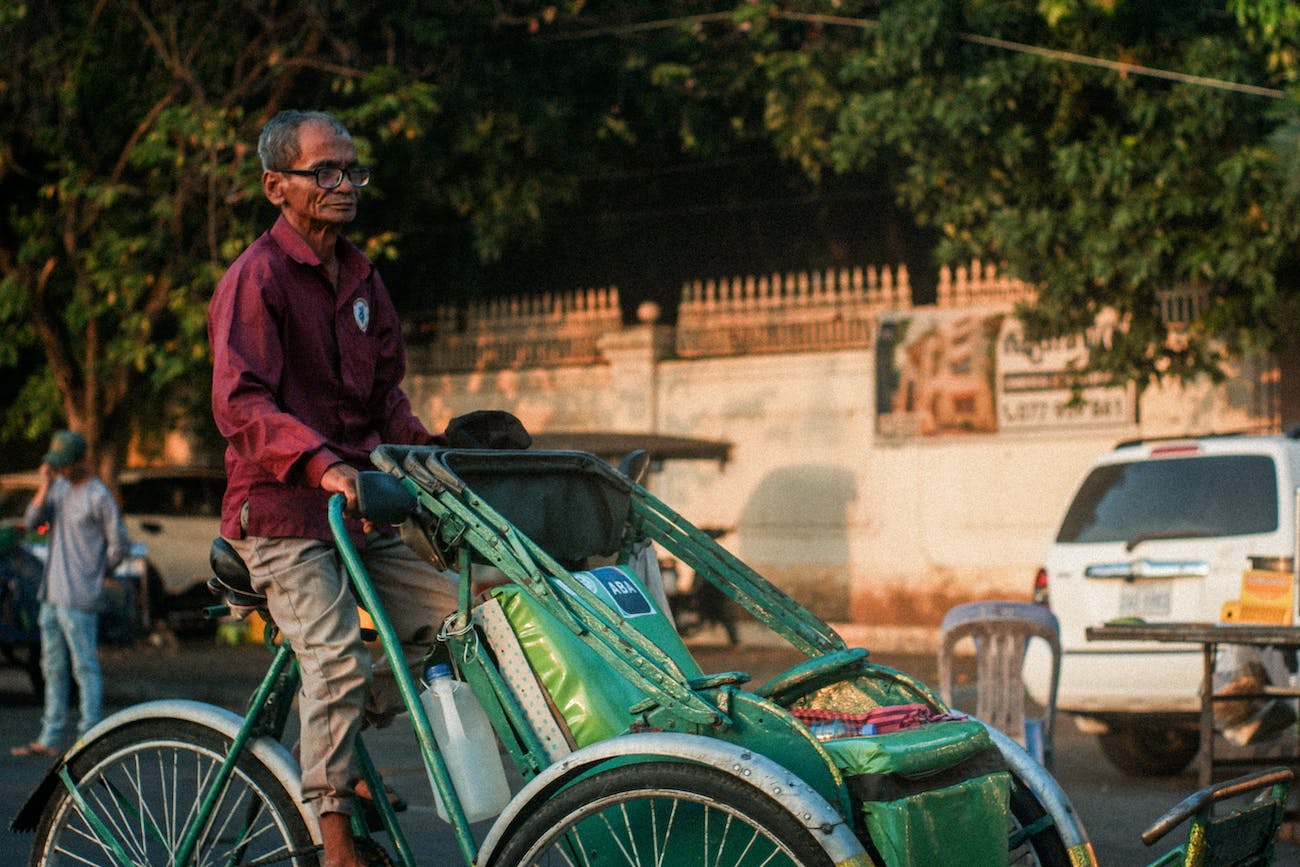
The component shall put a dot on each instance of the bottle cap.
(442, 669)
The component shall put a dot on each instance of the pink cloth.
(882, 719)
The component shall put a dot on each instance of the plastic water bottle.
(829, 730)
(468, 746)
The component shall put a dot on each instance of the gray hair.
(278, 143)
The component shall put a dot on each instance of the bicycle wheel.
(145, 781)
(1034, 839)
(656, 813)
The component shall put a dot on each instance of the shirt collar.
(353, 264)
(293, 244)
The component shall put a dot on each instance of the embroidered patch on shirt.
(361, 313)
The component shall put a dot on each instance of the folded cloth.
(1250, 680)
(1273, 718)
(880, 720)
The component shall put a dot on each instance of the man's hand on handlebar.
(341, 478)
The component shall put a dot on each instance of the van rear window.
(1175, 498)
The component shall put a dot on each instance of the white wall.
(886, 532)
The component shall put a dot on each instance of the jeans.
(69, 644)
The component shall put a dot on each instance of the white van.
(1160, 530)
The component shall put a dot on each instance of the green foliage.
(129, 178)
(1102, 188)
(1274, 27)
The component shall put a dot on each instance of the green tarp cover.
(963, 824)
(910, 752)
(591, 698)
(934, 794)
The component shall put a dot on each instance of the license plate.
(1145, 600)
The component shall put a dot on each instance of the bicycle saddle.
(230, 577)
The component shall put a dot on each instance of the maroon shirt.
(302, 378)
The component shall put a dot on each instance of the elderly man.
(307, 370)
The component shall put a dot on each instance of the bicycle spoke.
(616, 837)
(659, 830)
(143, 789)
(668, 833)
(573, 843)
(148, 823)
(91, 838)
(113, 819)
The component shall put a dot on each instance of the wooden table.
(1209, 636)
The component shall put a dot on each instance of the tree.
(129, 181)
(1102, 187)
(1097, 148)
(128, 177)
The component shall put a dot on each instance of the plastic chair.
(1002, 631)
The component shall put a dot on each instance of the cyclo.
(630, 754)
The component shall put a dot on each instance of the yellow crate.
(1267, 587)
(1267, 596)
(1237, 612)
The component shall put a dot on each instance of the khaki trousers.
(309, 599)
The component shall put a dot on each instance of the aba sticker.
(361, 313)
(626, 593)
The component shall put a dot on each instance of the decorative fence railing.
(834, 309)
(799, 312)
(980, 285)
(540, 331)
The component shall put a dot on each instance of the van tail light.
(1041, 595)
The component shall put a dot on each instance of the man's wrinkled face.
(300, 197)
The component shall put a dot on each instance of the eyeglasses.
(330, 177)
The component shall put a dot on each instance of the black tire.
(1043, 846)
(633, 814)
(1148, 751)
(142, 780)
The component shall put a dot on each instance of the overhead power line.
(1125, 68)
(1005, 44)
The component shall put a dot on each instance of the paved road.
(1114, 808)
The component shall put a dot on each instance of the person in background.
(87, 540)
(307, 369)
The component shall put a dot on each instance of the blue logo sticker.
(625, 592)
(361, 313)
